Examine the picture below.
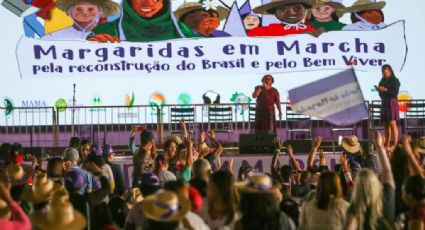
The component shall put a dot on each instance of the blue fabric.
(113, 17)
(220, 33)
(32, 27)
(89, 180)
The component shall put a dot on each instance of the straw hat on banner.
(361, 5)
(59, 214)
(202, 5)
(165, 206)
(351, 144)
(267, 8)
(109, 8)
(257, 183)
(336, 4)
(40, 190)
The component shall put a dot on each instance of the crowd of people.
(186, 186)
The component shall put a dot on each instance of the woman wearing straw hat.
(352, 148)
(166, 210)
(259, 207)
(203, 17)
(86, 15)
(326, 14)
(366, 15)
(292, 15)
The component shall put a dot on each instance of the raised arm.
(257, 91)
(20, 219)
(184, 129)
(218, 160)
(312, 155)
(202, 138)
(386, 172)
(229, 166)
(189, 155)
(393, 89)
(273, 170)
(278, 144)
(132, 142)
(322, 157)
(294, 161)
(417, 169)
(33, 160)
(346, 171)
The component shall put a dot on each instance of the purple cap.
(149, 179)
(107, 150)
(76, 178)
(96, 149)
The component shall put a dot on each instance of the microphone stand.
(73, 111)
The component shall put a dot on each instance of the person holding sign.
(267, 96)
(388, 91)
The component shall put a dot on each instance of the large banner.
(365, 50)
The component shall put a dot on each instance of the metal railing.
(97, 122)
(51, 127)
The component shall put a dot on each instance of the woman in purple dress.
(388, 91)
(267, 97)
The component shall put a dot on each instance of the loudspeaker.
(300, 146)
(257, 143)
